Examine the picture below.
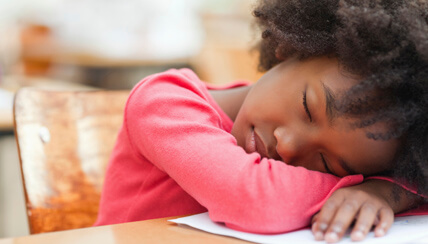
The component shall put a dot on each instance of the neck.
(230, 100)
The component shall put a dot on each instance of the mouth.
(250, 145)
(255, 144)
(260, 146)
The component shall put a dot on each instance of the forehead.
(319, 69)
(333, 76)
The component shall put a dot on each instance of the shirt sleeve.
(171, 124)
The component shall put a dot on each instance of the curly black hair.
(385, 42)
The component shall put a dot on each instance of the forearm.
(398, 198)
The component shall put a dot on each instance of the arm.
(182, 135)
(371, 203)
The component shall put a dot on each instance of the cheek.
(370, 156)
(242, 125)
(237, 131)
(250, 110)
(249, 115)
(378, 152)
(385, 153)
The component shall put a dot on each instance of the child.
(344, 96)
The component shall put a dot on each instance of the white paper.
(409, 229)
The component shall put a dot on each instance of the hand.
(367, 204)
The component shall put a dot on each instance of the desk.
(148, 231)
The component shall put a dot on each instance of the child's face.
(274, 122)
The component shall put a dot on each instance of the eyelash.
(325, 165)
(305, 105)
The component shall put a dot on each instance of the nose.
(293, 146)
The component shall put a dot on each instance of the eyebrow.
(329, 102)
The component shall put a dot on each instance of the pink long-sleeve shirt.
(175, 156)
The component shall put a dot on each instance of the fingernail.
(361, 228)
(331, 237)
(319, 236)
(379, 232)
(323, 226)
(314, 226)
(357, 236)
(337, 228)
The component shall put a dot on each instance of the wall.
(13, 220)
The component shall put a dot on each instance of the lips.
(260, 146)
(255, 144)
(250, 144)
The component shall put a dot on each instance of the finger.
(365, 220)
(386, 218)
(345, 215)
(317, 234)
(315, 218)
(324, 218)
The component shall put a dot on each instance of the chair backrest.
(64, 141)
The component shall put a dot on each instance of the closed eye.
(305, 105)
(327, 169)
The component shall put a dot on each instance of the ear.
(278, 54)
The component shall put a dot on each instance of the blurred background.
(110, 44)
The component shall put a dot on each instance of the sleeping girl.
(334, 132)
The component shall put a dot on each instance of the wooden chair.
(64, 142)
